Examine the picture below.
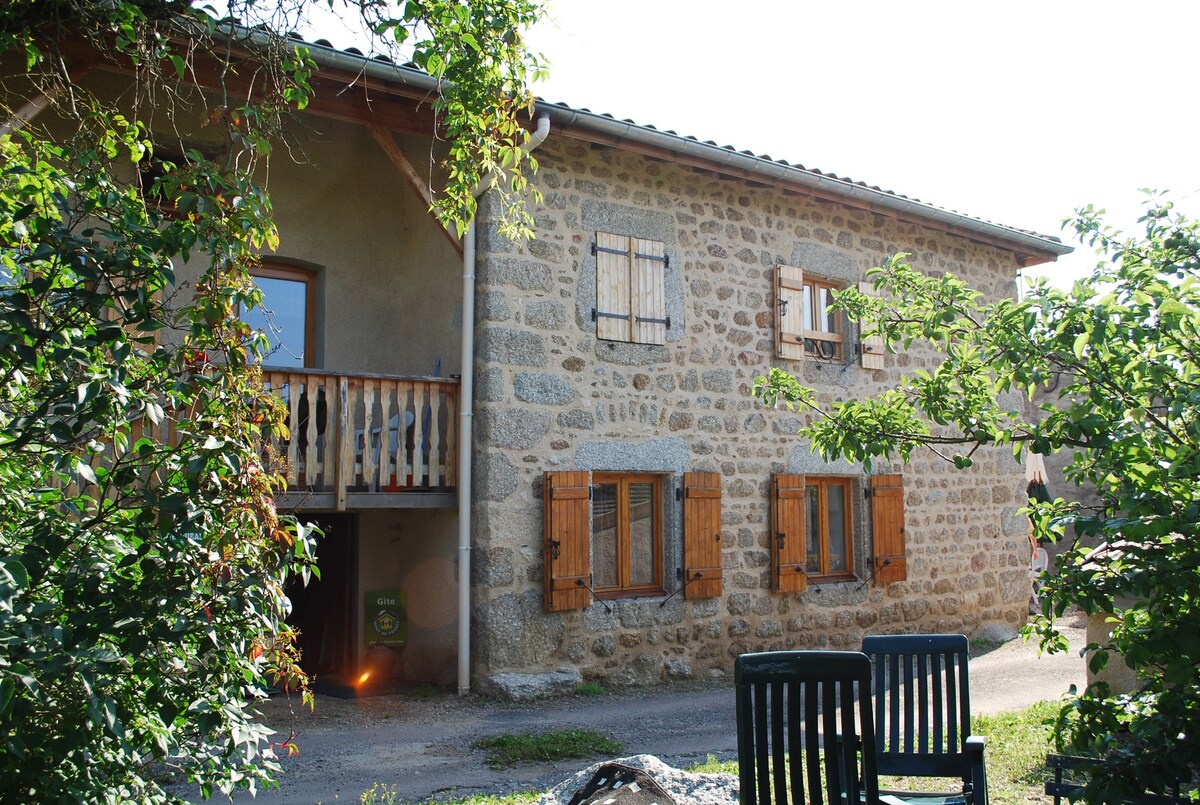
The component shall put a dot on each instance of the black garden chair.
(805, 731)
(923, 715)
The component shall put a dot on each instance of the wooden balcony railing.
(367, 433)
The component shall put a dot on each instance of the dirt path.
(424, 747)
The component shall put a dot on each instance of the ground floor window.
(626, 534)
(829, 548)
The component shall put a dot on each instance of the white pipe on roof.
(466, 441)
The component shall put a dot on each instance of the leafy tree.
(1118, 360)
(142, 560)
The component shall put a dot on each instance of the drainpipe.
(466, 441)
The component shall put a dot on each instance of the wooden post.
(345, 442)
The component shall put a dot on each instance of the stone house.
(542, 462)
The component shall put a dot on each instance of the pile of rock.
(684, 787)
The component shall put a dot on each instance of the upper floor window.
(806, 323)
(631, 299)
(286, 314)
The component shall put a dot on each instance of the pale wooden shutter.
(887, 518)
(613, 319)
(567, 532)
(702, 534)
(787, 534)
(873, 350)
(649, 302)
(789, 312)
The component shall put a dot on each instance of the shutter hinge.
(679, 493)
(665, 259)
(679, 573)
(597, 248)
(666, 321)
(589, 493)
(596, 314)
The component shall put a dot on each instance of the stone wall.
(551, 396)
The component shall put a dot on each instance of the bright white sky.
(1016, 112)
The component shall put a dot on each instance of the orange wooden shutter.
(873, 350)
(567, 530)
(789, 316)
(887, 517)
(613, 315)
(701, 534)
(787, 534)
(649, 302)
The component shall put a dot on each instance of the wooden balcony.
(367, 441)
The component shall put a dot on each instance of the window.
(806, 326)
(630, 289)
(828, 545)
(286, 315)
(812, 530)
(603, 536)
(626, 534)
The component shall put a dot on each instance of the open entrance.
(323, 610)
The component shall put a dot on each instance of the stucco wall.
(413, 550)
(550, 396)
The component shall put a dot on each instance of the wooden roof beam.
(388, 143)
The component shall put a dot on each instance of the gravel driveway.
(424, 747)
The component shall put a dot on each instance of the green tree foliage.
(142, 560)
(1112, 368)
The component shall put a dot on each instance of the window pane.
(604, 535)
(641, 534)
(808, 307)
(836, 501)
(282, 317)
(828, 316)
(812, 530)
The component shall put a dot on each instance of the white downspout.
(466, 440)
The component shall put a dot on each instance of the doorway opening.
(323, 610)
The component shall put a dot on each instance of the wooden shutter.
(567, 530)
(613, 319)
(701, 534)
(789, 316)
(787, 534)
(887, 518)
(873, 350)
(649, 303)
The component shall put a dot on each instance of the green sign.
(387, 618)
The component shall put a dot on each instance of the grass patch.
(518, 798)
(380, 794)
(420, 692)
(589, 689)
(1017, 745)
(714, 766)
(504, 751)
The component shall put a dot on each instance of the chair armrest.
(973, 747)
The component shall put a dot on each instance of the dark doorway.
(323, 610)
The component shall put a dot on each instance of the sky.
(1016, 112)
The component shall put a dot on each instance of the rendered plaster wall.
(389, 295)
(388, 283)
(413, 550)
(551, 396)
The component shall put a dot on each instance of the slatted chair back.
(922, 703)
(802, 717)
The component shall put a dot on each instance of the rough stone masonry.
(552, 396)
